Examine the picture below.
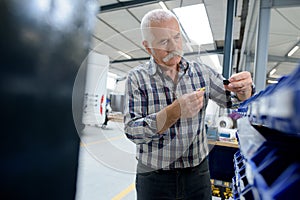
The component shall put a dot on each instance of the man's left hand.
(241, 84)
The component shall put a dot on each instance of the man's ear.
(146, 45)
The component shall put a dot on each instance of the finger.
(195, 95)
(240, 84)
(191, 97)
(200, 105)
(196, 107)
(197, 100)
(227, 88)
(200, 93)
(236, 85)
(240, 76)
(195, 104)
(243, 89)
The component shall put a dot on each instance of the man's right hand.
(191, 103)
(186, 106)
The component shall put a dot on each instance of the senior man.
(165, 107)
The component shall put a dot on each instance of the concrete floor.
(107, 164)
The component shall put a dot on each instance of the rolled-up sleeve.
(217, 91)
(140, 126)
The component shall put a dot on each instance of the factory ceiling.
(117, 34)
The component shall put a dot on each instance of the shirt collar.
(152, 67)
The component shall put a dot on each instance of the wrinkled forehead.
(166, 27)
(163, 32)
(161, 29)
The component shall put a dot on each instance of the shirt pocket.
(156, 99)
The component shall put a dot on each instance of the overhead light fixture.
(293, 50)
(272, 72)
(163, 5)
(124, 54)
(195, 22)
(272, 81)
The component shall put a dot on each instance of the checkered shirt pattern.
(149, 90)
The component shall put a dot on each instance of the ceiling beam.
(126, 5)
(285, 3)
(273, 58)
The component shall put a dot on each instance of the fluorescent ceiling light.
(195, 22)
(124, 54)
(272, 82)
(163, 5)
(272, 71)
(293, 50)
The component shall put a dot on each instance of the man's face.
(166, 39)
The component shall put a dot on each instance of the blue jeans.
(186, 184)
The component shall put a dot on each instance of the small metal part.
(201, 89)
(226, 82)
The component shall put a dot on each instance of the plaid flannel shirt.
(149, 90)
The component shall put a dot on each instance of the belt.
(142, 168)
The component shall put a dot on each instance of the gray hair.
(156, 15)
